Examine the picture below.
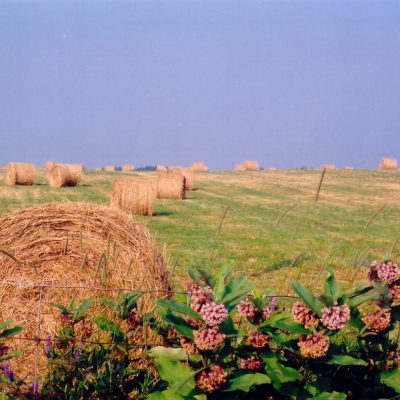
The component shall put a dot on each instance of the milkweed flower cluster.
(208, 338)
(335, 317)
(258, 340)
(252, 363)
(314, 346)
(213, 314)
(304, 315)
(248, 309)
(199, 296)
(378, 320)
(386, 272)
(212, 379)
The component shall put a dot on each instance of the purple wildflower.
(213, 314)
(7, 371)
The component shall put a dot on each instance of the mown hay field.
(273, 230)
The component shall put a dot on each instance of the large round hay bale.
(127, 168)
(56, 252)
(388, 164)
(64, 176)
(199, 166)
(132, 196)
(21, 173)
(250, 165)
(171, 186)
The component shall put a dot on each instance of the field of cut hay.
(265, 223)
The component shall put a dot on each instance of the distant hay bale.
(250, 165)
(388, 164)
(63, 175)
(199, 167)
(187, 173)
(21, 174)
(109, 168)
(348, 168)
(161, 168)
(127, 168)
(98, 169)
(328, 167)
(272, 169)
(78, 245)
(49, 165)
(239, 168)
(171, 186)
(76, 168)
(132, 196)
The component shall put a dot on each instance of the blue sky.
(288, 83)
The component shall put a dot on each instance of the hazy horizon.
(286, 83)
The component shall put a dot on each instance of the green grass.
(331, 231)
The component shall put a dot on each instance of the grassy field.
(273, 229)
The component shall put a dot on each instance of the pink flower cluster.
(378, 320)
(335, 317)
(387, 272)
(314, 346)
(212, 379)
(258, 340)
(208, 338)
(249, 310)
(213, 314)
(395, 291)
(252, 363)
(199, 296)
(304, 315)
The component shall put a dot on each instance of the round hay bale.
(187, 173)
(64, 176)
(171, 186)
(127, 168)
(76, 168)
(199, 167)
(239, 168)
(388, 164)
(250, 165)
(132, 196)
(161, 168)
(328, 167)
(78, 245)
(21, 174)
(109, 168)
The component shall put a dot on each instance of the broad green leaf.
(236, 291)
(330, 396)
(179, 307)
(220, 281)
(290, 326)
(12, 331)
(5, 324)
(278, 373)
(179, 376)
(168, 352)
(332, 289)
(11, 354)
(246, 381)
(83, 308)
(307, 297)
(391, 379)
(177, 322)
(346, 360)
(109, 326)
(361, 289)
(362, 298)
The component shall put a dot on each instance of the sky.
(287, 83)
